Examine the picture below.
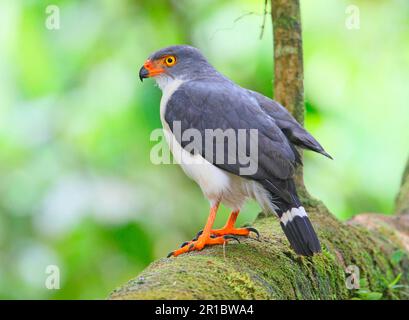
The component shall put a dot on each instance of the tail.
(293, 218)
(299, 231)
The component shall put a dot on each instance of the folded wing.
(204, 105)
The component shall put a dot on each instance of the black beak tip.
(143, 73)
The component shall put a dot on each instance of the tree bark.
(288, 56)
(288, 64)
(402, 200)
(268, 269)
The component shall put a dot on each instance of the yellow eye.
(170, 60)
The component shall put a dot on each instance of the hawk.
(197, 98)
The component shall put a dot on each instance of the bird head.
(177, 62)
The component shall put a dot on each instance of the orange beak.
(150, 69)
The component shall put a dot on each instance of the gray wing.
(286, 122)
(202, 105)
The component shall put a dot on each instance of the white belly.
(213, 181)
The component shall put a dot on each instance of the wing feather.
(286, 122)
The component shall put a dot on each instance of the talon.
(184, 244)
(231, 237)
(197, 235)
(251, 229)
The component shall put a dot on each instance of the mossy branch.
(269, 269)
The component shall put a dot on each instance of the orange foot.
(235, 231)
(199, 243)
(244, 232)
(229, 228)
(209, 237)
(204, 239)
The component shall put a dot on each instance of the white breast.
(211, 179)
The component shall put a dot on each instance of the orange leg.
(229, 228)
(205, 238)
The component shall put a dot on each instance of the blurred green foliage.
(77, 188)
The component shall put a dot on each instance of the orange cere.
(153, 67)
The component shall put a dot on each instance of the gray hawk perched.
(196, 96)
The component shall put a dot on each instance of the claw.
(184, 244)
(230, 237)
(197, 235)
(251, 229)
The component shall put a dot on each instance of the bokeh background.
(77, 188)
